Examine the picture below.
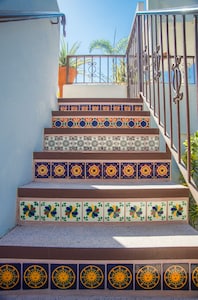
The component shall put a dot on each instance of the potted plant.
(67, 69)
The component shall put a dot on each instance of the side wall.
(28, 87)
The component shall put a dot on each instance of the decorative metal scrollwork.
(145, 63)
(92, 69)
(133, 69)
(177, 80)
(156, 64)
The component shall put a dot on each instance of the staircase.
(102, 212)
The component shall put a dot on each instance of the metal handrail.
(159, 55)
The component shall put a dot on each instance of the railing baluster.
(186, 98)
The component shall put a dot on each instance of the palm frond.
(104, 45)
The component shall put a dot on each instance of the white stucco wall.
(161, 4)
(28, 86)
(95, 91)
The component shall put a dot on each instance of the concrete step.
(102, 203)
(101, 166)
(102, 119)
(101, 139)
(100, 104)
(139, 260)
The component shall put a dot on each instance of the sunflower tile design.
(10, 276)
(176, 277)
(145, 170)
(111, 170)
(177, 210)
(35, 276)
(71, 211)
(42, 169)
(194, 276)
(29, 211)
(50, 211)
(114, 212)
(120, 277)
(93, 212)
(59, 170)
(148, 277)
(135, 212)
(128, 170)
(91, 276)
(76, 170)
(162, 170)
(94, 170)
(156, 211)
(63, 276)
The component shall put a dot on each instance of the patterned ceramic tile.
(135, 212)
(91, 276)
(51, 143)
(59, 170)
(93, 170)
(71, 211)
(29, 211)
(176, 277)
(111, 170)
(10, 277)
(50, 211)
(194, 277)
(63, 276)
(156, 211)
(114, 212)
(162, 170)
(120, 277)
(128, 170)
(42, 169)
(35, 276)
(76, 170)
(145, 170)
(101, 107)
(93, 211)
(177, 210)
(148, 277)
(101, 143)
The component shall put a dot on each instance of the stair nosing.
(101, 113)
(101, 156)
(100, 100)
(96, 131)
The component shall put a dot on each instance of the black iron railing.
(162, 66)
(98, 68)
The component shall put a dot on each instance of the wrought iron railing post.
(139, 53)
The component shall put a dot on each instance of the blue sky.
(88, 20)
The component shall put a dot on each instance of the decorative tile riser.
(149, 276)
(102, 210)
(100, 170)
(120, 143)
(98, 122)
(100, 107)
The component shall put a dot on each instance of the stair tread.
(108, 236)
(94, 185)
(98, 190)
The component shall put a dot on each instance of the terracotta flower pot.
(62, 77)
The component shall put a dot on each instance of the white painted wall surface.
(28, 85)
(95, 91)
(161, 4)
